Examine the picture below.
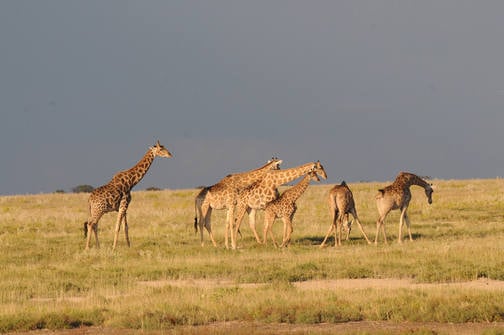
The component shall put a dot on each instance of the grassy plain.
(167, 280)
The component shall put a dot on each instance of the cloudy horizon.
(369, 88)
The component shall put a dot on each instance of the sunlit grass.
(48, 280)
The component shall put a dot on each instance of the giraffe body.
(259, 194)
(223, 195)
(341, 204)
(285, 207)
(116, 195)
(398, 196)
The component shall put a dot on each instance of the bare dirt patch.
(252, 328)
(334, 284)
(346, 284)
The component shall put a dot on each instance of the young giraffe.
(257, 195)
(341, 203)
(285, 207)
(397, 196)
(223, 195)
(116, 196)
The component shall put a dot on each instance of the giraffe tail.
(85, 229)
(196, 216)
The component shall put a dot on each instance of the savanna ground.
(449, 280)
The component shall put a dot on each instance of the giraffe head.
(314, 176)
(319, 169)
(428, 193)
(276, 163)
(160, 150)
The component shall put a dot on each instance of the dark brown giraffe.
(341, 203)
(397, 196)
(116, 195)
(285, 207)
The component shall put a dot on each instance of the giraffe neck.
(297, 190)
(129, 178)
(247, 178)
(279, 177)
(409, 179)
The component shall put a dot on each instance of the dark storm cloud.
(367, 87)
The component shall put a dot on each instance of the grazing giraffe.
(285, 207)
(257, 195)
(223, 195)
(397, 196)
(116, 195)
(341, 203)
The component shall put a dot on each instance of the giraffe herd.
(251, 191)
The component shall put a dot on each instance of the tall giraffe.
(116, 195)
(223, 195)
(285, 207)
(341, 203)
(257, 195)
(397, 196)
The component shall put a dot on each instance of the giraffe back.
(340, 199)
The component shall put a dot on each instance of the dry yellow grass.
(48, 280)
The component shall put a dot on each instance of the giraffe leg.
(333, 226)
(123, 207)
(208, 227)
(327, 235)
(229, 226)
(241, 208)
(287, 231)
(252, 217)
(362, 230)
(89, 226)
(356, 219)
(337, 236)
(92, 229)
(401, 223)
(204, 220)
(270, 230)
(408, 225)
(334, 213)
(268, 222)
(92, 226)
(380, 224)
(384, 233)
(117, 229)
(95, 231)
(126, 230)
(348, 227)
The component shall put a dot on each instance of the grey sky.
(369, 88)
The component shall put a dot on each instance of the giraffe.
(257, 195)
(223, 195)
(397, 196)
(116, 195)
(341, 203)
(285, 207)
